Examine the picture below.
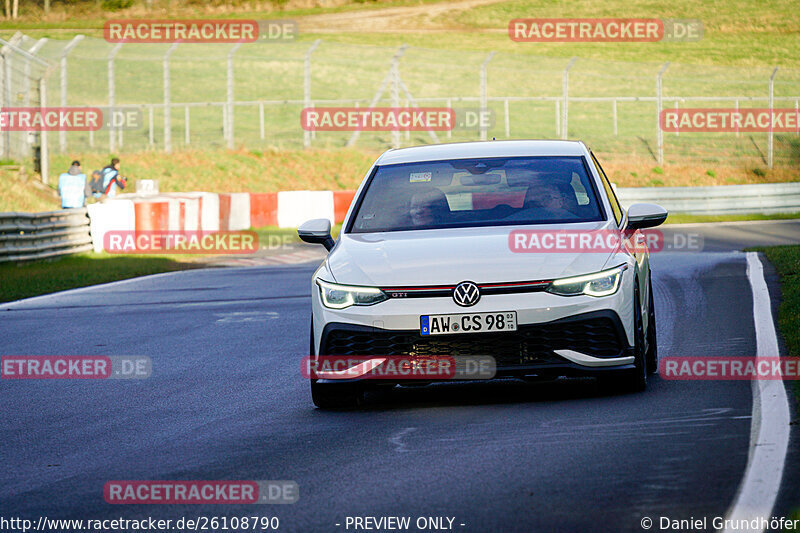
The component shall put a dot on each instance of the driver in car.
(429, 207)
(547, 200)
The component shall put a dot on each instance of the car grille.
(531, 344)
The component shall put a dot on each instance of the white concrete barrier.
(112, 215)
(295, 207)
(239, 215)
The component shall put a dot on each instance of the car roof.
(470, 150)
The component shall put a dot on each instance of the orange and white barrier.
(204, 211)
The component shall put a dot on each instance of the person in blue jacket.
(72, 187)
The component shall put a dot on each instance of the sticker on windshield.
(417, 177)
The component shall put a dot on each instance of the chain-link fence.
(23, 76)
(223, 95)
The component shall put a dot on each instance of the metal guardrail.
(765, 198)
(29, 236)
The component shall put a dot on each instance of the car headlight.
(337, 296)
(600, 284)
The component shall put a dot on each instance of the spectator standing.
(72, 187)
(111, 178)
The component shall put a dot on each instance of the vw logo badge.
(466, 294)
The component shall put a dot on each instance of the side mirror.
(317, 231)
(641, 216)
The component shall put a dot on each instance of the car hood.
(449, 256)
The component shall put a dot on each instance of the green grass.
(743, 41)
(683, 218)
(44, 277)
(786, 260)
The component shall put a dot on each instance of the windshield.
(477, 192)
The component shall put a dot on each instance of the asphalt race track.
(226, 401)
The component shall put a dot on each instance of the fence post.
(167, 103)
(62, 135)
(450, 106)
(150, 126)
(45, 152)
(111, 93)
(508, 121)
(659, 133)
(614, 108)
(395, 93)
(484, 97)
(261, 119)
(230, 95)
(187, 131)
(26, 89)
(306, 92)
(565, 108)
(558, 117)
(770, 134)
(6, 102)
(677, 132)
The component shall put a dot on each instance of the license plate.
(467, 323)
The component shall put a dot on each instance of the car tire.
(652, 341)
(634, 380)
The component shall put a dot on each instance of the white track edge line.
(769, 435)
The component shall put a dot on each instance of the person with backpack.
(72, 187)
(111, 179)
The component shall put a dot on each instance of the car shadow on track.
(502, 391)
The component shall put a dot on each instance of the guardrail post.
(62, 135)
(230, 95)
(306, 92)
(484, 97)
(167, 103)
(111, 90)
(565, 107)
(771, 102)
(659, 133)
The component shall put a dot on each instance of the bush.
(115, 5)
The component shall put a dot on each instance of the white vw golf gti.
(434, 259)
